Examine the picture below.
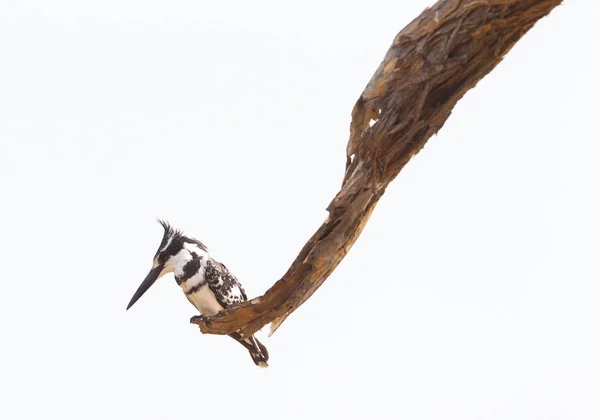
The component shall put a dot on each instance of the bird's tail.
(258, 351)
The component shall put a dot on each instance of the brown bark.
(431, 64)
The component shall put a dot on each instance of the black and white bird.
(206, 283)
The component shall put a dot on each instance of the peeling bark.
(431, 64)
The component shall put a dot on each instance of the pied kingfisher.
(207, 283)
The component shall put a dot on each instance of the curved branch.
(431, 64)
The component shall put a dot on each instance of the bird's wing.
(223, 284)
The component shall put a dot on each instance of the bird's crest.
(170, 231)
(173, 234)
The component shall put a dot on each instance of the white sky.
(472, 293)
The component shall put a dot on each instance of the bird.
(206, 283)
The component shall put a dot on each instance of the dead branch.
(431, 64)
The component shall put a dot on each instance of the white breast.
(205, 301)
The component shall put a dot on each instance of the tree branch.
(431, 64)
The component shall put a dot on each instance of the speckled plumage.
(206, 283)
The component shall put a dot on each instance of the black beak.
(148, 281)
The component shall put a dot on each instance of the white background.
(472, 293)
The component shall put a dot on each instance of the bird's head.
(174, 252)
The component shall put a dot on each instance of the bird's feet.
(197, 319)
